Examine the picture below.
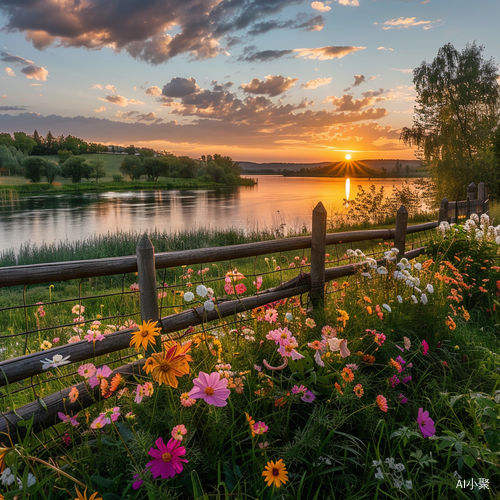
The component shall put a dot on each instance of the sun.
(347, 157)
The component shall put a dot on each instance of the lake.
(274, 201)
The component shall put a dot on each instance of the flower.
(166, 366)
(240, 288)
(209, 305)
(94, 335)
(425, 423)
(202, 290)
(425, 346)
(347, 375)
(358, 390)
(337, 344)
(287, 349)
(115, 382)
(100, 375)
(166, 459)
(308, 397)
(139, 394)
(67, 419)
(387, 307)
(310, 323)
(275, 473)
(84, 496)
(188, 296)
(7, 478)
(78, 309)
(260, 428)
(337, 387)
(271, 315)
(382, 403)
(210, 388)
(258, 283)
(178, 432)
(88, 370)
(138, 482)
(73, 395)
(45, 345)
(187, 400)
(75, 338)
(55, 362)
(251, 423)
(423, 299)
(146, 334)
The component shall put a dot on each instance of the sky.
(257, 80)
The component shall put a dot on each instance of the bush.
(117, 178)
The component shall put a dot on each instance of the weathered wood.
(417, 228)
(467, 211)
(443, 211)
(318, 245)
(44, 417)
(147, 280)
(471, 191)
(481, 192)
(400, 232)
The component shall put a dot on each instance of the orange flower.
(450, 323)
(73, 395)
(382, 403)
(347, 375)
(116, 382)
(368, 359)
(367, 299)
(105, 388)
(251, 423)
(167, 366)
(146, 334)
(369, 309)
(466, 314)
(337, 386)
(395, 364)
(275, 474)
(358, 390)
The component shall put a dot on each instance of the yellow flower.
(166, 366)
(84, 495)
(275, 473)
(146, 334)
(251, 423)
(344, 317)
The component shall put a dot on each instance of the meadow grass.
(425, 339)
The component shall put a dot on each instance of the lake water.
(274, 201)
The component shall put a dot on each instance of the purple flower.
(425, 423)
(138, 482)
(406, 379)
(166, 459)
(308, 397)
(400, 360)
(403, 399)
(394, 381)
(299, 389)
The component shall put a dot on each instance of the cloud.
(325, 53)
(271, 86)
(250, 54)
(9, 71)
(12, 108)
(97, 86)
(402, 70)
(348, 103)
(9, 58)
(111, 88)
(136, 116)
(314, 84)
(119, 100)
(384, 48)
(100, 110)
(320, 6)
(354, 3)
(35, 72)
(180, 87)
(154, 31)
(406, 22)
(154, 90)
(302, 22)
(358, 80)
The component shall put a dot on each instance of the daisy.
(382, 403)
(88, 370)
(178, 432)
(55, 362)
(275, 473)
(146, 334)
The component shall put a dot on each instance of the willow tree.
(457, 109)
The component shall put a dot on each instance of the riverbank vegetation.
(391, 391)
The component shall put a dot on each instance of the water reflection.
(273, 202)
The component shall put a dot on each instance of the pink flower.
(271, 315)
(98, 423)
(166, 459)
(310, 323)
(260, 428)
(87, 370)
(55, 340)
(394, 381)
(279, 335)
(148, 389)
(258, 283)
(178, 432)
(287, 349)
(403, 399)
(187, 400)
(94, 335)
(211, 389)
(425, 423)
(67, 419)
(328, 331)
(100, 374)
(299, 389)
(406, 379)
(240, 288)
(138, 482)
(139, 394)
(425, 345)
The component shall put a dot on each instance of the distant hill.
(352, 168)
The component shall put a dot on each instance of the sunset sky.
(258, 80)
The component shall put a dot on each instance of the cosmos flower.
(425, 423)
(382, 403)
(55, 362)
(210, 388)
(167, 461)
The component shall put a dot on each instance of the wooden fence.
(146, 262)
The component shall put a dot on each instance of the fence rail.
(146, 262)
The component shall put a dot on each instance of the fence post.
(443, 211)
(318, 245)
(486, 205)
(471, 195)
(147, 279)
(481, 195)
(400, 231)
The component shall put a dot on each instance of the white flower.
(376, 463)
(398, 275)
(188, 296)
(408, 484)
(56, 361)
(359, 253)
(423, 299)
(379, 474)
(381, 270)
(289, 316)
(350, 252)
(418, 266)
(7, 477)
(209, 305)
(387, 307)
(30, 482)
(409, 283)
(201, 290)
(366, 275)
(210, 291)
(414, 299)
(400, 299)
(430, 288)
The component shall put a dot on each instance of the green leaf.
(42, 402)
(110, 496)
(102, 481)
(198, 492)
(469, 461)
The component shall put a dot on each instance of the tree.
(64, 154)
(6, 140)
(97, 170)
(33, 168)
(156, 167)
(11, 159)
(130, 150)
(76, 168)
(50, 170)
(131, 166)
(24, 142)
(457, 108)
